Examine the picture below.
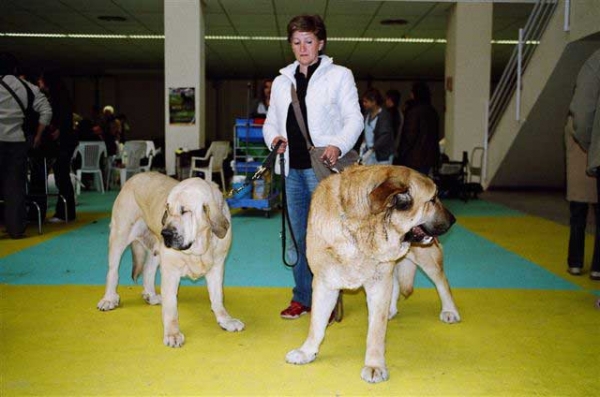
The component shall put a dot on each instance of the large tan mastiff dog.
(184, 226)
(361, 223)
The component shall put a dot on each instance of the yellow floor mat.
(539, 240)
(510, 343)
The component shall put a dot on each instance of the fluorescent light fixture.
(410, 40)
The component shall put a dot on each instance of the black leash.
(265, 166)
(285, 215)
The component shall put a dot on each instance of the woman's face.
(306, 47)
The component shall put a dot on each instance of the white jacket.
(332, 107)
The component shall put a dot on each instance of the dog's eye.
(183, 211)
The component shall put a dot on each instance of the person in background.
(14, 142)
(125, 128)
(419, 142)
(262, 106)
(392, 104)
(378, 137)
(61, 142)
(110, 128)
(329, 104)
(585, 111)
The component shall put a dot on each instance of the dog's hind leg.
(149, 276)
(146, 259)
(324, 300)
(214, 283)
(117, 243)
(403, 281)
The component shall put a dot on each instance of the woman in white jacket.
(329, 103)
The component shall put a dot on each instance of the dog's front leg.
(169, 286)
(214, 283)
(379, 294)
(323, 302)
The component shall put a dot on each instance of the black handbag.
(322, 170)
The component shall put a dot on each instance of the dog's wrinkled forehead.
(401, 190)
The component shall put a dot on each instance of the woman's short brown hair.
(308, 23)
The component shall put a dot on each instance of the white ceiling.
(243, 59)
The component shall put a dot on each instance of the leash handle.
(264, 167)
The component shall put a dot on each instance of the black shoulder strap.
(29, 94)
(299, 117)
(14, 94)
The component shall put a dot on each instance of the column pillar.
(184, 68)
(468, 74)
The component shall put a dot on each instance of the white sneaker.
(574, 271)
(55, 220)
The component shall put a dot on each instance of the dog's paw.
(174, 340)
(231, 325)
(152, 299)
(374, 374)
(299, 357)
(108, 303)
(449, 317)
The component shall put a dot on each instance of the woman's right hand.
(283, 145)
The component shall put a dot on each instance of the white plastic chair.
(91, 154)
(476, 163)
(133, 153)
(215, 155)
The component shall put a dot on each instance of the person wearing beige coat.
(583, 163)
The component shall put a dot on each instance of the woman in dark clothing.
(62, 141)
(419, 143)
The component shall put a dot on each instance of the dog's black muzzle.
(173, 239)
(425, 232)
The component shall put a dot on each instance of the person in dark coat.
(419, 142)
(59, 142)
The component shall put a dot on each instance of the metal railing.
(529, 38)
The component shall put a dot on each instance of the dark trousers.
(61, 165)
(578, 221)
(62, 176)
(13, 169)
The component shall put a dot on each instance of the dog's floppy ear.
(390, 194)
(218, 222)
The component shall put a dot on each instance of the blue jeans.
(299, 186)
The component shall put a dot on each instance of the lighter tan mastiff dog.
(361, 223)
(184, 227)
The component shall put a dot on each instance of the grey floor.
(550, 205)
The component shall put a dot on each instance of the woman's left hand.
(331, 154)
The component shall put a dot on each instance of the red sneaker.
(295, 310)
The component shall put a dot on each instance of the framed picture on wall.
(182, 105)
